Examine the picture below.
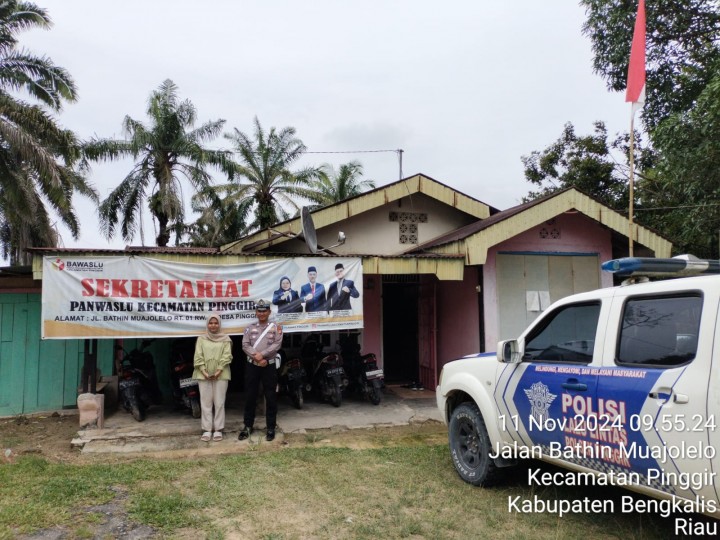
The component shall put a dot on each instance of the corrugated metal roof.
(472, 228)
(129, 249)
(443, 265)
(444, 256)
(169, 249)
(149, 250)
(475, 239)
(368, 200)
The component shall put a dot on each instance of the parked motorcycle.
(363, 372)
(328, 377)
(291, 379)
(185, 389)
(138, 386)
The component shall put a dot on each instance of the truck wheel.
(470, 446)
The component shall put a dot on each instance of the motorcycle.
(291, 379)
(185, 389)
(328, 377)
(137, 385)
(364, 375)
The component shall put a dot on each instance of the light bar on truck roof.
(682, 265)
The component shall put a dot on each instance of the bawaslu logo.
(59, 264)
(84, 266)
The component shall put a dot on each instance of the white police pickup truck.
(618, 386)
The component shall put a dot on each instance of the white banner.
(113, 297)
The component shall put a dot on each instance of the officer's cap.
(262, 305)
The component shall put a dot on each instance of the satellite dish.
(308, 229)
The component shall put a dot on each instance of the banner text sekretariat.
(113, 297)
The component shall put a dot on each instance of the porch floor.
(167, 430)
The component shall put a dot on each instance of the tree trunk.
(163, 236)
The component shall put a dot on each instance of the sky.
(464, 88)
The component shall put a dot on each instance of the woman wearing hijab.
(213, 354)
(286, 299)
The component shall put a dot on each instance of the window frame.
(547, 320)
(690, 293)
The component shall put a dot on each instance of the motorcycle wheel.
(374, 395)
(195, 405)
(137, 411)
(336, 396)
(296, 396)
(145, 399)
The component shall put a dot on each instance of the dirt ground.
(47, 436)
(50, 437)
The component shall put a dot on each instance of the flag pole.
(635, 94)
(631, 225)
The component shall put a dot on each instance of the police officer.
(261, 343)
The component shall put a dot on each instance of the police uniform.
(268, 345)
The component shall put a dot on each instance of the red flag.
(635, 92)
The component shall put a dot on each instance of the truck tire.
(470, 446)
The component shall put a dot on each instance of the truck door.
(714, 398)
(541, 398)
(660, 375)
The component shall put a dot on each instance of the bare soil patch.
(49, 436)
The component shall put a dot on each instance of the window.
(565, 335)
(660, 331)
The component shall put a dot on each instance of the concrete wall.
(458, 320)
(578, 234)
(372, 232)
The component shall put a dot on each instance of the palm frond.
(330, 186)
(167, 151)
(42, 79)
(265, 168)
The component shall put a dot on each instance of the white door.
(528, 283)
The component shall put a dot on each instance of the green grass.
(408, 491)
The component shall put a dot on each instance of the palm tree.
(223, 216)
(337, 185)
(265, 165)
(165, 152)
(37, 156)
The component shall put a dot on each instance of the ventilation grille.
(408, 225)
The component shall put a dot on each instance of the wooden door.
(427, 343)
(528, 283)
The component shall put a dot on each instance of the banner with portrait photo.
(114, 297)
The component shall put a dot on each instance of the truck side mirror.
(508, 352)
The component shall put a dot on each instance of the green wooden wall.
(38, 375)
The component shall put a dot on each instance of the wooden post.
(89, 369)
(631, 225)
